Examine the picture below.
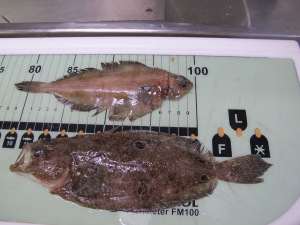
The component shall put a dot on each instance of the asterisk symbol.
(260, 149)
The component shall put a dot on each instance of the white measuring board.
(249, 89)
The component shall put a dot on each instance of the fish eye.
(142, 189)
(140, 145)
(36, 154)
(182, 81)
(202, 161)
(183, 85)
(204, 178)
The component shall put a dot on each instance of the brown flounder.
(127, 89)
(132, 170)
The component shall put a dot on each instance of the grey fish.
(135, 171)
(128, 89)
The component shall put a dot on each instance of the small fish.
(127, 89)
(133, 171)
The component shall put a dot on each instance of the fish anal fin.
(81, 107)
(64, 100)
(98, 110)
(75, 105)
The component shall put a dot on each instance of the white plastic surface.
(162, 46)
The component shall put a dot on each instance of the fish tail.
(31, 86)
(245, 169)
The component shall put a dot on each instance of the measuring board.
(244, 101)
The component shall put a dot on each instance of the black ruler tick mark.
(25, 101)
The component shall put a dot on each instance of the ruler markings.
(3, 78)
(71, 116)
(37, 61)
(38, 97)
(4, 74)
(196, 102)
(187, 99)
(24, 103)
(97, 63)
(27, 94)
(169, 101)
(55, 108)
(74, 60)
(9, 82)
(104, 122)
(16, 91)
(44, 95)
(87, 118)
(2, 60)
(64, 106)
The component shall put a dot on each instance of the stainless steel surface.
(37, 11)
(216, 12)
(277, 19)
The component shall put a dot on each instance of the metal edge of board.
(166, 46)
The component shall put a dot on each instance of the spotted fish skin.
(135, 171)
(128, 89)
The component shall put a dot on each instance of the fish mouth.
(22, 162)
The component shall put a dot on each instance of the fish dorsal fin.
(81, 72)
(132, 63)
(115, 65)
(110, 66)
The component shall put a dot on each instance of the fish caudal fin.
(30, 86)
(245, 169)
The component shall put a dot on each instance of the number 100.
(198, 70)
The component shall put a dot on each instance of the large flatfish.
(127, 89)
(134, 171)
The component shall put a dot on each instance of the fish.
(128, 89)
(132, 170)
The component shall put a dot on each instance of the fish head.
(42, 163)
(178, 86)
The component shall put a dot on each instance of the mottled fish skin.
(127, 89)
(135, 171)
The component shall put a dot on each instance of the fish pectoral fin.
(118, 113)
(147, 88)
(145, 103)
